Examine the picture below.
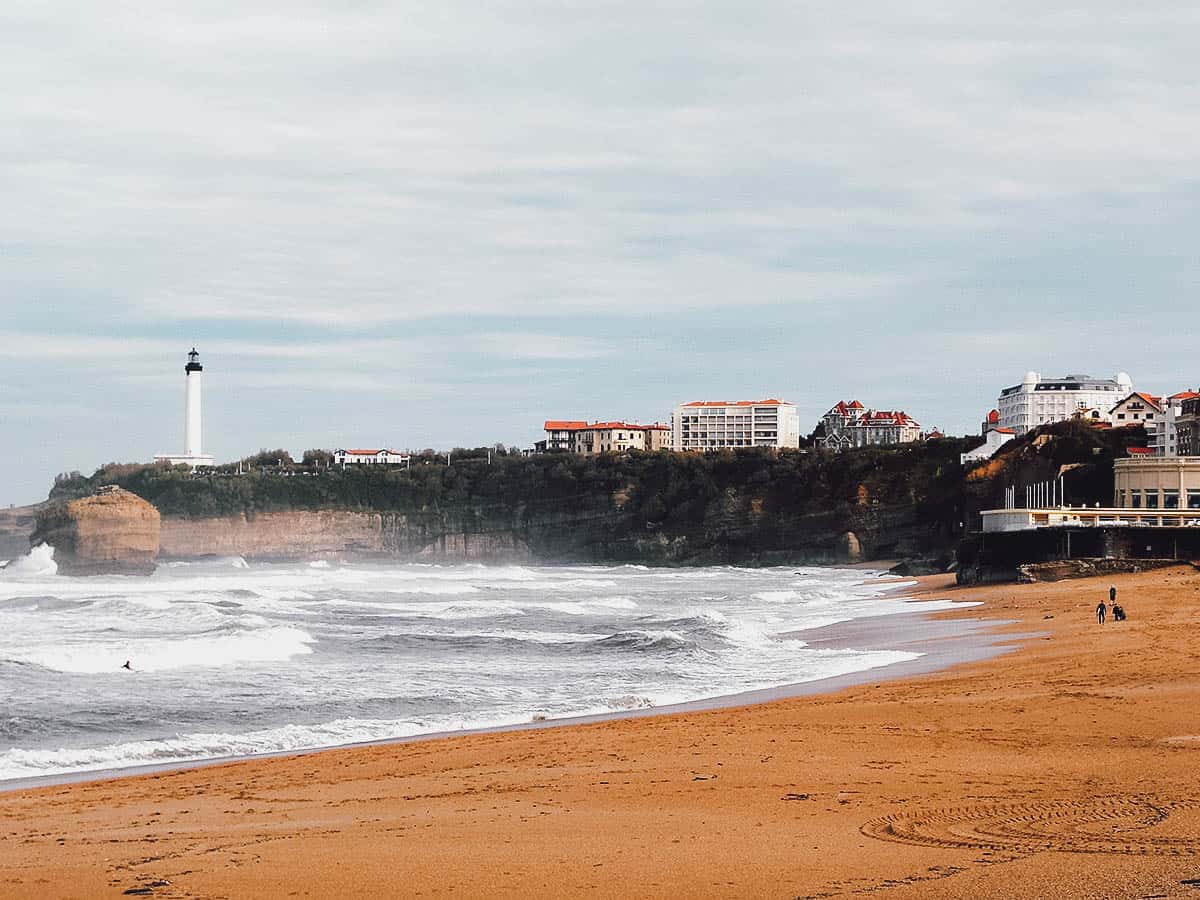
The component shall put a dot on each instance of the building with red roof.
(579, 436)
(384, 457)
(850, 424)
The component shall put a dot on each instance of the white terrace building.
(729, 424)
(370, 458)
(1040, 401)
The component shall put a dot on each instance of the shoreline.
(941, 636)
(1065, 769)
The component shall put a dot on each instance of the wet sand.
(1066, 768)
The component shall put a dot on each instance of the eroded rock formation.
(111, 532)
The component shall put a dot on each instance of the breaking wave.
(230, 659)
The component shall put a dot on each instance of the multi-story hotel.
(602, 437)
(722, 424)
(1039, 401)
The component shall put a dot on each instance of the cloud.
(600, 207)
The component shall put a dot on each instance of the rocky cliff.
(16, 525)
(332, 534)
(112, 531)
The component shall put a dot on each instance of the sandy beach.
(1067, 768)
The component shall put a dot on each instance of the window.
(1193, 499)
(1135, 499)
(1170, 498)
(1151, 499)
(1120, 498)
(1121, 416)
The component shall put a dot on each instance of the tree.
(317, 459)
(263, 458)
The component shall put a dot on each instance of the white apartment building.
(1039, 401)
(722, 424)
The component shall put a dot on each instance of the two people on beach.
(1118, 613)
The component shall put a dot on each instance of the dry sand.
(1070, 768)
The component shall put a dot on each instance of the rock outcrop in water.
(111, 532)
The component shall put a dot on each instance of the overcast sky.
(437, 224)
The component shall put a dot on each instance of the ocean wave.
(260, 645)
(663, 639)
(18, 763)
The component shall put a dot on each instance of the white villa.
(370, 458)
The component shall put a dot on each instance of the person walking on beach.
(1101, 609)
(1112, 596)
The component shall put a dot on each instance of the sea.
(229, 658)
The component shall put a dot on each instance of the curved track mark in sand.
(1093, 825)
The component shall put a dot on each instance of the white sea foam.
(403, 649)
(260, 645)
(39, 562)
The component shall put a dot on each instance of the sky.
(438, 224)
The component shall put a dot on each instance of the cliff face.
(332, 534)
(16, 525)
(579, 536)
(112, 531)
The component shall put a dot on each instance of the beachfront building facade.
(849, 424)
(731, 424)
(591, 438)
(1154, 483)
(1040, 401)
(345, 458)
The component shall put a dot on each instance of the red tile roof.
(1140, 451)
(1155, 402)
(1004, 431)
(842, 408)
(563, 425)
(887, 417)
(1185, 395)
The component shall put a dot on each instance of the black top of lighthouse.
(193, 364)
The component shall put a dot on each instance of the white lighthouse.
(193, 454)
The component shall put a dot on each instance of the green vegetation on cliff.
(750, 505)
(729, 506)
